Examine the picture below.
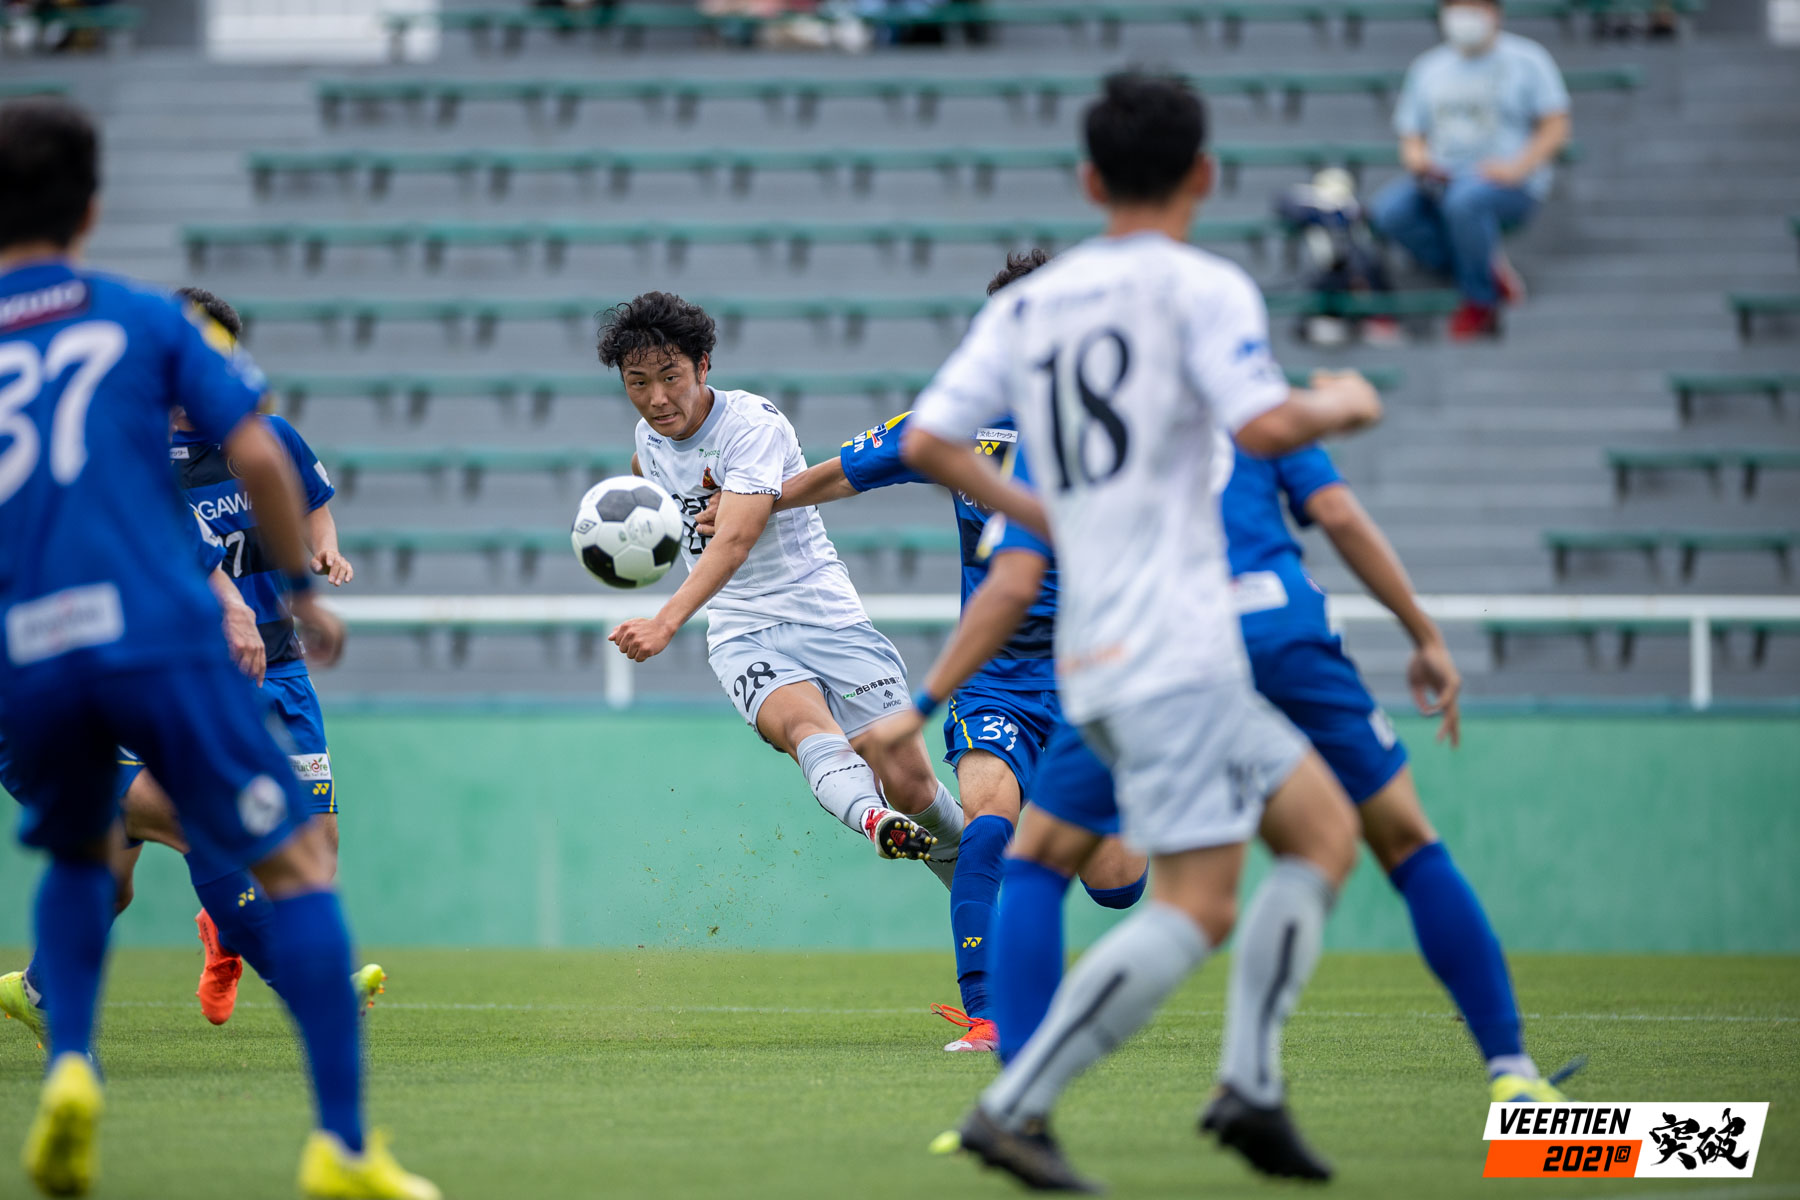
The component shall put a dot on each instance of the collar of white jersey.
(707, 426)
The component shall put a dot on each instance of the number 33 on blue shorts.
(1012, 726)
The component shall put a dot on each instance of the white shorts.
(1193, 768)
(858, 669)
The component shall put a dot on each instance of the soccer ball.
(627, 532)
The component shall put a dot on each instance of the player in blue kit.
(108, 637)
(204, 473)
(1001, 709)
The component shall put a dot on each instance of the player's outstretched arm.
(241, 633)
(1336, 402)
(991, 616)
(327, 559)
(1365, 549)
(742, 518)
(267, 473)
(958, 465)
(820, 483)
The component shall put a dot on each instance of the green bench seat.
(856, 311)
(1589, 631)
(742, 165)
(1752, 460)
(1747, 306)
(633, 20)
(531, 544)
(435, 237)
(1687, 544)
(927, 91)
(293, 389)
(473, 463)
(1771, 384)
(11, 89)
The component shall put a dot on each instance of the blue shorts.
(302, 735)
(1317, 687)
(130, 767)
(1074, 785)
(199, 730)
(1012, 726)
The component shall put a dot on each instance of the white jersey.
(1119, 360)
(793, 573)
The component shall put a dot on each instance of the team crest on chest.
(706, 479)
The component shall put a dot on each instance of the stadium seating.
(13, 88)
(854, 311)
(448, 96)
(1768, 384)
(471, 464)
(981, 162)
(1752, 460)
(112, 23)
(293, 390)
(1627, 633)
(1688, 545)
(1748, 306)
(632, 21)
(434, 238)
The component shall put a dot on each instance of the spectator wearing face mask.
(1480, 118)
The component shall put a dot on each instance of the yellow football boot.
(61, 1151)
(1517, 1089)
(369, 983)
(15, 1006)
(328, 1171)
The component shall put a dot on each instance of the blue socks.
(1120, 897)
(973, 891)
(1460, 948)
(73, 917)
(1028, 950)
(238, 907)
(310, 946)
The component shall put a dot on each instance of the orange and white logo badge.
(1645, 1139)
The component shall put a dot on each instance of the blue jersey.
(1028, 660)
(96, 558)
(213, 489)
(1277, 599)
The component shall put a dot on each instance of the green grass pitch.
(524, 1074)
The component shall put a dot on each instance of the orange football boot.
(219, 977)
(982, 1036)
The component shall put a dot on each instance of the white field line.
(790, 1010)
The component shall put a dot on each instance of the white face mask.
(1468, 27)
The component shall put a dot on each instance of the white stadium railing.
(1698, 613)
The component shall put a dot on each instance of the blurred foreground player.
(1120, 361)
(108, 637)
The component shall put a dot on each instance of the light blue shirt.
(1472, 109)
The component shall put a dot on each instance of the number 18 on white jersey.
(1119, 360)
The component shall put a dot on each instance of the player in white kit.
(1119, 360)
(786, 633)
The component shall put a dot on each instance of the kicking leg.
(795, 720)
(912, 787)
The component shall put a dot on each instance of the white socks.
(840, 780)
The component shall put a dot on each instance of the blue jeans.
(1453, 230)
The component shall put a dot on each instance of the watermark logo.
(1648, 1139)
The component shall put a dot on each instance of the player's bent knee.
(987, 786)
(1309, 817)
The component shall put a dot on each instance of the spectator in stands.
(1480, 120)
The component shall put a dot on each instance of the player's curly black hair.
(1019, 264)
(49, 170)
(655, 321)
(1144, 133)
(215, 308)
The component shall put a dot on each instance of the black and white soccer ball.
(627, 532)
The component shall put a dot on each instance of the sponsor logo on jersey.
(224, 506)
(865, 689)
(996, 438)
(309, 768)
(705, 453)
(176, 452)
(1648, 1139)
(72, 619)
(46, 304)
